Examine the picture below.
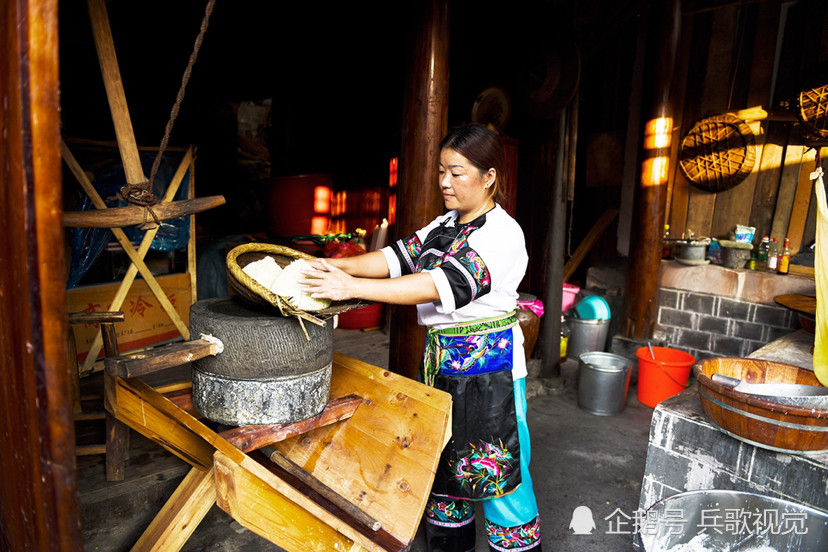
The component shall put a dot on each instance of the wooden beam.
(181, 514)
(588, 242)
(38, 475)
(135, 215)
(253, 437)
(149, 413)
(111, 73)
(641, 299)
(262, 501)
(311, 486)
(175, 354)
(425, 119)
(135, 256)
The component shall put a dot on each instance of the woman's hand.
(325, 281)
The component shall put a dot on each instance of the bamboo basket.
(252, 292)
(759, 420)
(718, 153)
(812, 111)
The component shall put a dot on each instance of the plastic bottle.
(773, 255)
(564, 337)
(762, 254)
(783, 266)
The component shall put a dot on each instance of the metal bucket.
(586, 335)
(603, 382)
(731, 520)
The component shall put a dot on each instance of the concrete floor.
(578, 459)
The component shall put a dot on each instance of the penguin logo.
(582, 522)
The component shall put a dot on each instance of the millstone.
(280, 400)
(269, 371)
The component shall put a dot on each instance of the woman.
(462, 271)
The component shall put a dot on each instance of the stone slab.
(686, 452)
(795, 348)
(740, 284)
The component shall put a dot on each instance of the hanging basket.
(718, 153)
(254, 293)
(813, 111)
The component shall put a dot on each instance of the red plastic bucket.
(665, 375)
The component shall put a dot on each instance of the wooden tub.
(759, 420)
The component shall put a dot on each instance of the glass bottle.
(773, 255)
(665, 243)
(783, 266)
(564, 337)
(762, 254)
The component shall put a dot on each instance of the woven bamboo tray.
(813, 111)
(718, 153)
(252, 292)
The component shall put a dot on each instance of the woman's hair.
(483, 148)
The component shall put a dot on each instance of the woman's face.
(463, 186)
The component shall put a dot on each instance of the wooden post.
(38, 479)
(424, 124)
(550, 339)
(664, 22)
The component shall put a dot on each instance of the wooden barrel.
(269, 371)
(760, 420)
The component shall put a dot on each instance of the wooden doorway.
(38, 481)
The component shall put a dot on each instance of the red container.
(361, 318)
(662, 377)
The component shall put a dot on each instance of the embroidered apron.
(473, 362)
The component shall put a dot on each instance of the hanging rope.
(142, 194)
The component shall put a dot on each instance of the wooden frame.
(378, 460)
(133, 169)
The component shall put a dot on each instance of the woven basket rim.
(253, 292)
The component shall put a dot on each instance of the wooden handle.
(252, 437)
(159, 358)
(133, 215)
(323, 490)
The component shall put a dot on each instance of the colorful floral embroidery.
(413, 246)
(411, 250)
(445, 347)
(477, 268)
(449, 513)
(488, 467)
(514, 539)
(475, 354)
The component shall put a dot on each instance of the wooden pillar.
(39, 508)
(663, 26)
(424, 124)
(554, 162)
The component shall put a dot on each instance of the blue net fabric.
(88, 243)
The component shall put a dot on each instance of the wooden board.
(769, 177)
(802, 197)
(786, 197)
(149, 413)
(145, 323)
(272, 509)
(181, 514)
(715, 96)
(384, 458)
